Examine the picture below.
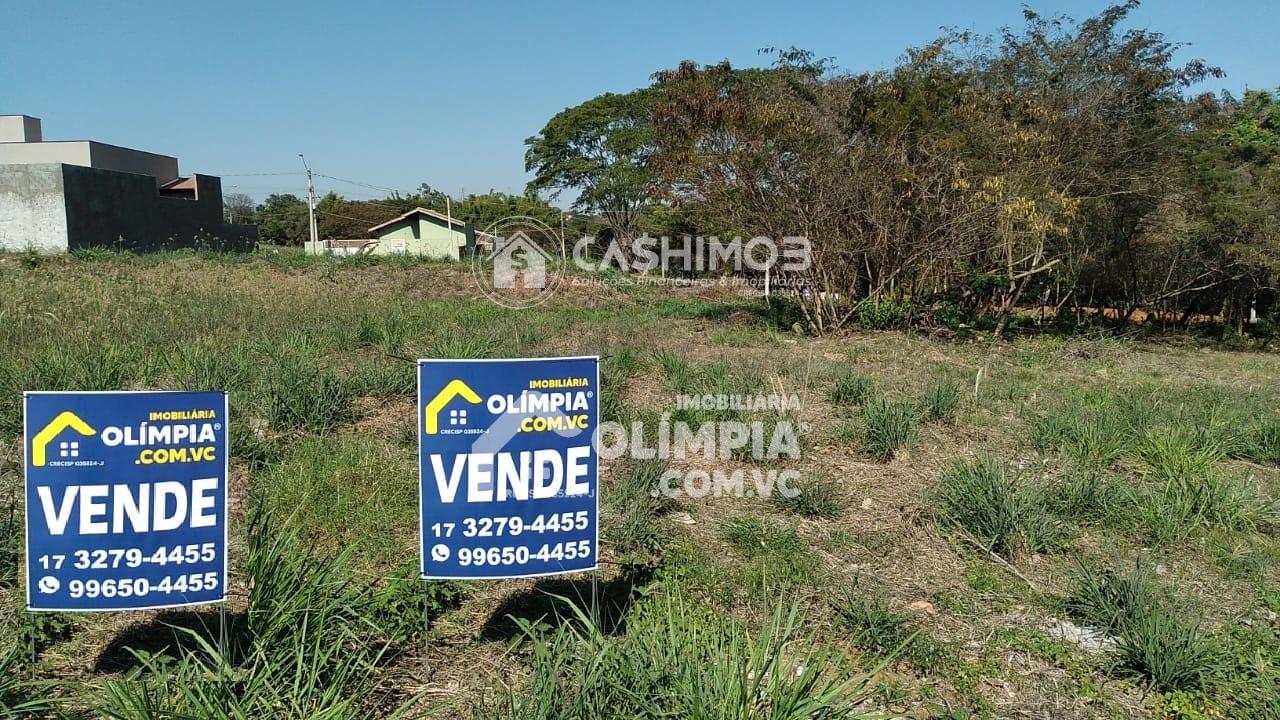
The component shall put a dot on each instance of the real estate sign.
(126, 499)
(509, 467)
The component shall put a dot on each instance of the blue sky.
(396, 93)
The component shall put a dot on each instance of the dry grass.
(987, 615)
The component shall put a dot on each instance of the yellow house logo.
(455, 389)
(65, 420)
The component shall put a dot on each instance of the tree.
(600, 150)
(238, 207)
(339, 218)
(282, 220)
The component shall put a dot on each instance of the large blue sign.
(126, 499)
(508, 467)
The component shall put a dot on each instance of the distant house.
(57, 196)
(417, 232)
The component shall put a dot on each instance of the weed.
(1112, 600)
(313, 642)
(778, 557)
(677, 661)
(876, 628)
(986, 498)
(616, 371)
(1169, 653)
(1086, 497)
(888, 427)
(812, 499)
(386, 378)
(850, 389)
(1177, 454)
(1262, 442)
(1174, 509)
(460, 343)
(635, 503)
(679, 374)
(309, 399)
(940, 401)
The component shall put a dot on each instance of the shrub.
(889, 426)
(812, 499)
(986, 498)
(880, 314)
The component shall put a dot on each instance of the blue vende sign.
(126, 499)
(508, 467)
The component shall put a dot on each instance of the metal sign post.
(509, 468)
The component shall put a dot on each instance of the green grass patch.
(987, 499)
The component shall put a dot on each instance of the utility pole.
(311, 206)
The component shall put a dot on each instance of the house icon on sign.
(517, 259)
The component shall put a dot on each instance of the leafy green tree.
(600, 150)
(282, 220)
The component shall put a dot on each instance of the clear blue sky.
(396, 93)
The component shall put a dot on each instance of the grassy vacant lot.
(1056, 526)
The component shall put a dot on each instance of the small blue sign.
(126, 499)
(509, 467)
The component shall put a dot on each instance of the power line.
(255, 174)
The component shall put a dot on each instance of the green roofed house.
(417, 232)
(424, 232)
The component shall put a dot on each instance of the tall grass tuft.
(888, 427)
(680, 661)
(208, 366)
(1179, 453)
(850, 389)
(987, 499)
(635, 503)
(1261, 443)
(812, 498)
(308, 399)
(313, 644)
(1109, 599)
(876, 628)
(616, 371)
(20, 696)
(1176, 508)
(1169, 653)
(940, 401)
